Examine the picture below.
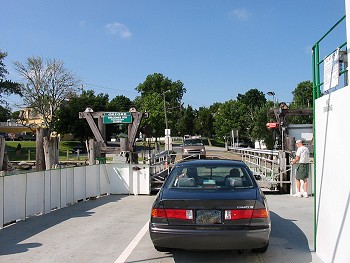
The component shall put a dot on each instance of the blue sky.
(217, 48)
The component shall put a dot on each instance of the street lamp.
(271, 93)
(165, 116)
(167, 134)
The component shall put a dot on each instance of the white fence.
(35, 193)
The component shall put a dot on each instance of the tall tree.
(7, 87)
(68, 113)
(49, 84)
(156, 91)
(259, 130)
(251, 102)
(153, 104)
(302, 98)
(204, 122)
(302, 95)
(120, 103)
(186, 121)
(227, 117)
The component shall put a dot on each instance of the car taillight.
(245, 214)
(158, 212)
(172, 213)
(260, 213)
(238, 214)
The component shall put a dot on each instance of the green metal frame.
(316, 93)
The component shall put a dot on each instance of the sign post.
(117, 117)
(168, 145)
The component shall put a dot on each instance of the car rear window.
(218, 177)
(193, 142)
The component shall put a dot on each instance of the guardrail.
(36, 193)
(271, 165)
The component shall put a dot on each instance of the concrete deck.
(102, 230)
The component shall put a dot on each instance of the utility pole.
(166, 119)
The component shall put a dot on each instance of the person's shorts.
(302, 171)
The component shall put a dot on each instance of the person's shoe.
(298, 194)
(305, 195)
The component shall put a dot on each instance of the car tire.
(261, 249)
(161, 249)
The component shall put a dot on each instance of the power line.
(104, 88)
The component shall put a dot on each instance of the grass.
(28, 150)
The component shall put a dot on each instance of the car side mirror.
(257, 176)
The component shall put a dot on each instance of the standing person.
(302, 172)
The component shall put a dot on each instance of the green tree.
(68, 113)
(5, 113)
(302, 99)
(153, 104)
(204, 122)
(15, 115)
(154, 91)
(186, 121)
(259, 131)
(120, 103)
(7, 87)
(302, 95)
(251, 102)
(227, 117)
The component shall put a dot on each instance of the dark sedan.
(210, 205)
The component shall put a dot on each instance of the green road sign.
(117, 117)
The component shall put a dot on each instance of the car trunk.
(209, 207)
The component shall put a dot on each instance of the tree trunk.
(40, 156)
(51, 152)
(46, 145)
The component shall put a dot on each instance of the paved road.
(111, 229)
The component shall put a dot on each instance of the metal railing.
(317, 62)
(270, 165)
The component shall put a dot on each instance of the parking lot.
(114, 229)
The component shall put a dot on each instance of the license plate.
(208, 217)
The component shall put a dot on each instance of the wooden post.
(102, 127)
(40, 156)
(47, 153)
(54, 149)
(51, 152)
(5, 164)
(92, 155)
(2, 153)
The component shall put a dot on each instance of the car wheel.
(262, 249)
(161, 249)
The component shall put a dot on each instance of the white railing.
(272, 166)
(35, 193)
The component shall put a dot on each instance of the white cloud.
(241, 14)
(118, 29)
